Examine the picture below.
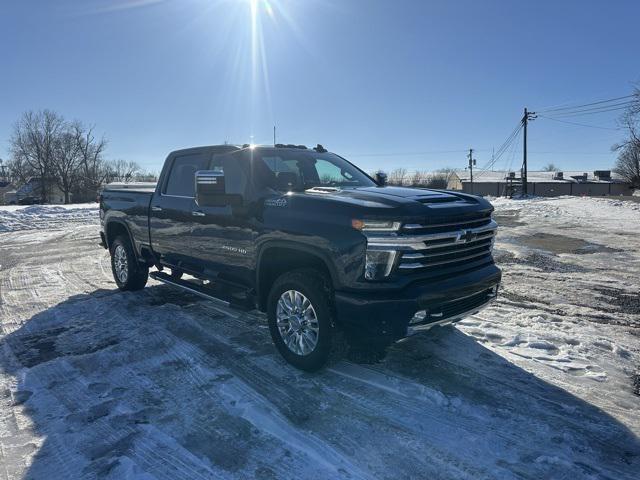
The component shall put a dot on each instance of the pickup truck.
(307, 237)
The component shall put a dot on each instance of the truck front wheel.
(128, 274)
(301, 319)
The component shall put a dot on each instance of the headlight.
(375, 225)
(379, 263)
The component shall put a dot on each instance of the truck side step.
(218, 293)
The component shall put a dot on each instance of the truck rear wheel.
(127, 272)
(299, 309)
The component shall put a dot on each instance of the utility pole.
(525, 121)
(472, 162)
(274, 135)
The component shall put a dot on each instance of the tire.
(314, 288)
(127, 272)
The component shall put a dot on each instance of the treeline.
(420, 178)
(65, 154)
(628, 162)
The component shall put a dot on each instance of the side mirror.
(381, 178)
(211, 190)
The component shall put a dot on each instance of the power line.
(576, 123)
(514, 148)
(503, 148)
(571, 107)
(404, 154)
(602, 109)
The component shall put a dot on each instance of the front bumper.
(384, 318)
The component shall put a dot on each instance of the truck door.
(171, 213)
(223, 237)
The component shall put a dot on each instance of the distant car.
(307, 237)
(28, 201)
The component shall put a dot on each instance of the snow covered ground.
(96, 383)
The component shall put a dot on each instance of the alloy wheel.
(297, 322)
(121, 264)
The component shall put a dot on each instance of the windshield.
(305, 169)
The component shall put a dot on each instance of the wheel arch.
(115, 228)
(276, 258)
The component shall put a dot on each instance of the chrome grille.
(443, 224)
(449, 248)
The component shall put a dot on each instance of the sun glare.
(240, 49)
(260, 86)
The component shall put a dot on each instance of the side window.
(181, 180)
(330, 173)
(277, 165)
(235, 179)
(285, 172)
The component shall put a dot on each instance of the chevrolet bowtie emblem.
(466, 236)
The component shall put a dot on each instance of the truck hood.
(393, 197)
(389, 202)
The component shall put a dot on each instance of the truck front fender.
(279, 256)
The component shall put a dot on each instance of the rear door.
(171, 214)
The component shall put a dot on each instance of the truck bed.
(137, 187)
(128, 205)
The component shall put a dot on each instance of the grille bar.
(420, 226)
(405, 266)
(419, 256)
(481, 237)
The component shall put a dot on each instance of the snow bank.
(19, 217)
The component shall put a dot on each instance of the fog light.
(379, 264)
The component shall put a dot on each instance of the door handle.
(156, 209)
(197, 213)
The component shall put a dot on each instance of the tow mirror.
(211, 190)
(381, 178)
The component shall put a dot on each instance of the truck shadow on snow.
(119, 384)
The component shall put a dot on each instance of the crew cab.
(307, 237)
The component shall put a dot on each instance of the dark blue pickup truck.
(307, 237)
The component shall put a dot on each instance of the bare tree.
(628, 162)
(122, 170)
(550, 167)
(92, 172)
(438, 180)
(418, 178)
(18, 170)
(446, 172)
(32, 145)
(66, 162)
(397, 176)
(146, 176)
(45, 146)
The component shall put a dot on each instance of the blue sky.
(385, 83)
